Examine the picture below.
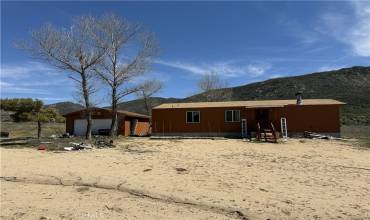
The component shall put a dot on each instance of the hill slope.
(138, 106)
(65, 107)
(349, 85)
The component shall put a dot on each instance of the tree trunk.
(113, 127)
(86, 95)
(148, 111)
(147, 104)
(38, 129)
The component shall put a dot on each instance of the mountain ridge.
(349, 85)
(65, 107)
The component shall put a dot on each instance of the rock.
(179, 169)
(41, 147)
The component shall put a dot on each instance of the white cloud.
(329, 68)
(24, 70)
(30, 78)
(225, 69)
(353, 30)
(183, 66)
(276, 76)
(361, 33)
(53, 99)
(258, 69)
(11, 88)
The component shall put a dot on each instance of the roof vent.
(299, 98)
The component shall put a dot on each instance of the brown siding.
(142, 128)
(320, 118)
(316, 118)
(126, 131)
(211, 120)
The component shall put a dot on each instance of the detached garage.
(129, 123)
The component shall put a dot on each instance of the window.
(193, 117)
(232, 115)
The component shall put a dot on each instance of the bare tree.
(73, 49)
(211, 87)
(118, 69)
(147, 90)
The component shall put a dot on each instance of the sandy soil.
(217, 179)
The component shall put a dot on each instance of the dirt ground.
(189, 179)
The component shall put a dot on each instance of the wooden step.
(267, 135)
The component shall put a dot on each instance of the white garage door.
(80, 126)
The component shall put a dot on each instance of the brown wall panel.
(315, 118)
(211, 120)
(319, 118)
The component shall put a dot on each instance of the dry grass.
(29, 129)
(360, 132)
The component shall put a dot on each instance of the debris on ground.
(4, 134)
(313, 135)
(59, 142)
(78, 146)
(146, 170)
(104, 143)
(65, 135)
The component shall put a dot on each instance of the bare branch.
(74, 49)
(114, 34)
(146, 90)
(211, 86)
(127, 91)
(77, 80)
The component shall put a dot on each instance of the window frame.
(192, 117)
(232, 115)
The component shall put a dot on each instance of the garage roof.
(127, 113)
(132, 114)
(249, 104)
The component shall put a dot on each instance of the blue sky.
(242, 41)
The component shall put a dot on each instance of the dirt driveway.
(189, 179)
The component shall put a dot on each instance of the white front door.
(80, 126)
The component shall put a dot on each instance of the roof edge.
(163, 105)
(132, 114)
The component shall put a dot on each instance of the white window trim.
(232, 115)
(192, 115)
